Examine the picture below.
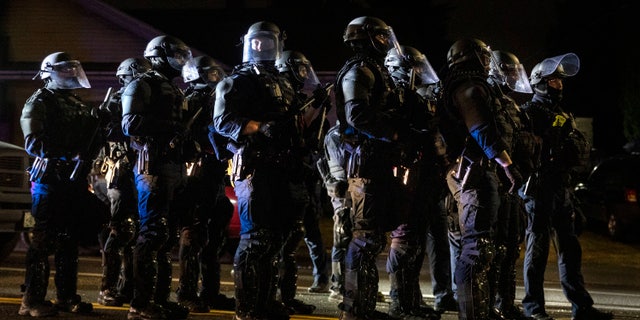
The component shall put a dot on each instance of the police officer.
(254, 108)
(63, 135)
(507, 75)
(152, 108)
(206, 209)
(422, 177)
(548, 204)
(365, 104)
(474, 108)
(295, 66)
(118, 237)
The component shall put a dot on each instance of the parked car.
(15, 196)
(233, 232)
(609, 196)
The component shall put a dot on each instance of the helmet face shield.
(261, 46)
(214, 75)
(424, 71)
(566, 65)
(178, 58)
(68, 75)
(516, 79)
(307, 76)
(384, 39)
(506, 68)
(562, 66)
(190, 71)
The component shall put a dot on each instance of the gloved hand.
(514, 176)
(270, 129)
(336, 188)
(319, 96)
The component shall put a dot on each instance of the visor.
(513, 75)
(260, 46)
(424, 71)
(565, 65)
(179, 59)
(69, 75)
(516, 78)
(190, 71)
(307, 76)
(392, 42)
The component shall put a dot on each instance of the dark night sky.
(602, 35)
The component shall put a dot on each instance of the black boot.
(73, 305)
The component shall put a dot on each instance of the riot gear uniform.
(423, 178)
(365, 103)
(204, 218)
(63, 135)
(305, 225)
(117, 238)
(254, 108)
(152, 108)
(507, 75)
(474, 182)
(549, 202)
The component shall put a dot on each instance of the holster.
(468, 172)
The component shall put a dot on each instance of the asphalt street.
(611, 271)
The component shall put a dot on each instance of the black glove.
(270, 129)
(514, 176)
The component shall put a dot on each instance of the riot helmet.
(61, 71)
(131, 68)
(412, 66)
(168, 49)
(507, 71)
(558, 67)
(299, 68)
(469, 49)
(562, 66)
(203, 69)
(373, 32)
(263, 42)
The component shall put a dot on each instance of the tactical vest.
(563, 145)
(456, 131)
(275, 101)
(524, 145)
(70, 124)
